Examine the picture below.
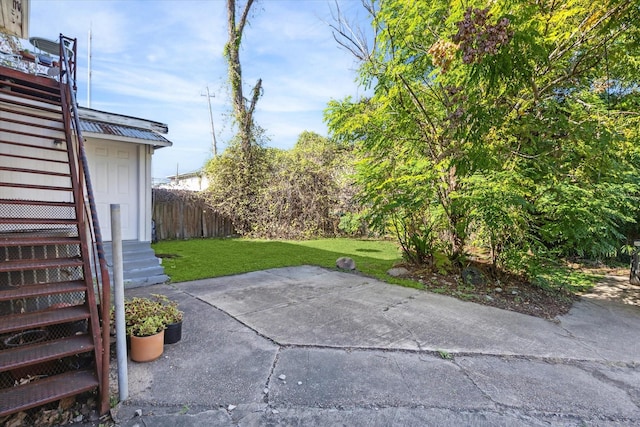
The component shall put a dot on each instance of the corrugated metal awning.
(145, 136)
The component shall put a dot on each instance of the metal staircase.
(54, 287)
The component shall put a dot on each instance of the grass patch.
(186, 260)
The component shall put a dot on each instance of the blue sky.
(155, 58)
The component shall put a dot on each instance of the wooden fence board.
(183, 217)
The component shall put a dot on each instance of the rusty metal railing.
(68, 87)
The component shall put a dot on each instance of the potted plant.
(172, 317)
(145, 328)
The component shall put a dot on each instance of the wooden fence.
(185, 215)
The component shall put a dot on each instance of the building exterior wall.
(190, 181)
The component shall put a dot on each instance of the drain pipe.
(118, 285)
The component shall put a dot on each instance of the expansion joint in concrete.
(257, 332)
(267, 384)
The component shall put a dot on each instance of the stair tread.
(146, 280)
(32, 82)
(30, 94)
(143, 272)
(36, 393)
(42, 111)
(34, 202)
(35, 187)
(22, 94)
(43, 289)
(35, 171)
(31, 97)
(54, 124)
(35, 115)
(19, 239)
(39, 264)
(36, 319)
(143, 259)
(12, 220)
(42, 352)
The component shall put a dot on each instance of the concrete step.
(141, 267)
(141, 272)
(131, 249)
(145, 281)
(139, 262)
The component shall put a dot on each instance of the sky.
(155, 59)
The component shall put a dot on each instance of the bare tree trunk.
(243, 113)
(247, 178)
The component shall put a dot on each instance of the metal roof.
(94, 126)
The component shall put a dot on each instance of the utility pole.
(213, 132)
(89, 70)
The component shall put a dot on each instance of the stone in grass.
(346, 263)
(398, 272)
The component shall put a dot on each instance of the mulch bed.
(505, 291)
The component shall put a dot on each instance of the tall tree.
(489, 119)
(243, 109)
(241, 168)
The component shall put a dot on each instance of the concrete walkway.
(310, 346)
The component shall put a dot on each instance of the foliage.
(148, 316)
(507, 124)
(555, 276)
(168, 310)
(142, 317)
(305, 192)
(269, 193)
(352, 224)
(444, 354)
(299, 193)
(149, 326)
(499, 216)
(234, 190)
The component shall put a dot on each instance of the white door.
(114, 176)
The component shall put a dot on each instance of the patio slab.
(312, 346)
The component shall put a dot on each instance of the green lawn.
(186, 260)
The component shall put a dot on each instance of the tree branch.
(256, 93)
(350, 37)
(245, 13)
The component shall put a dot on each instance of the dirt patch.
(511, 292)
(168, 256)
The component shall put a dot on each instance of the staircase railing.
(68, 91)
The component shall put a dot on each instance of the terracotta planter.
(173, 333)
(146, 349)
(28, 56)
